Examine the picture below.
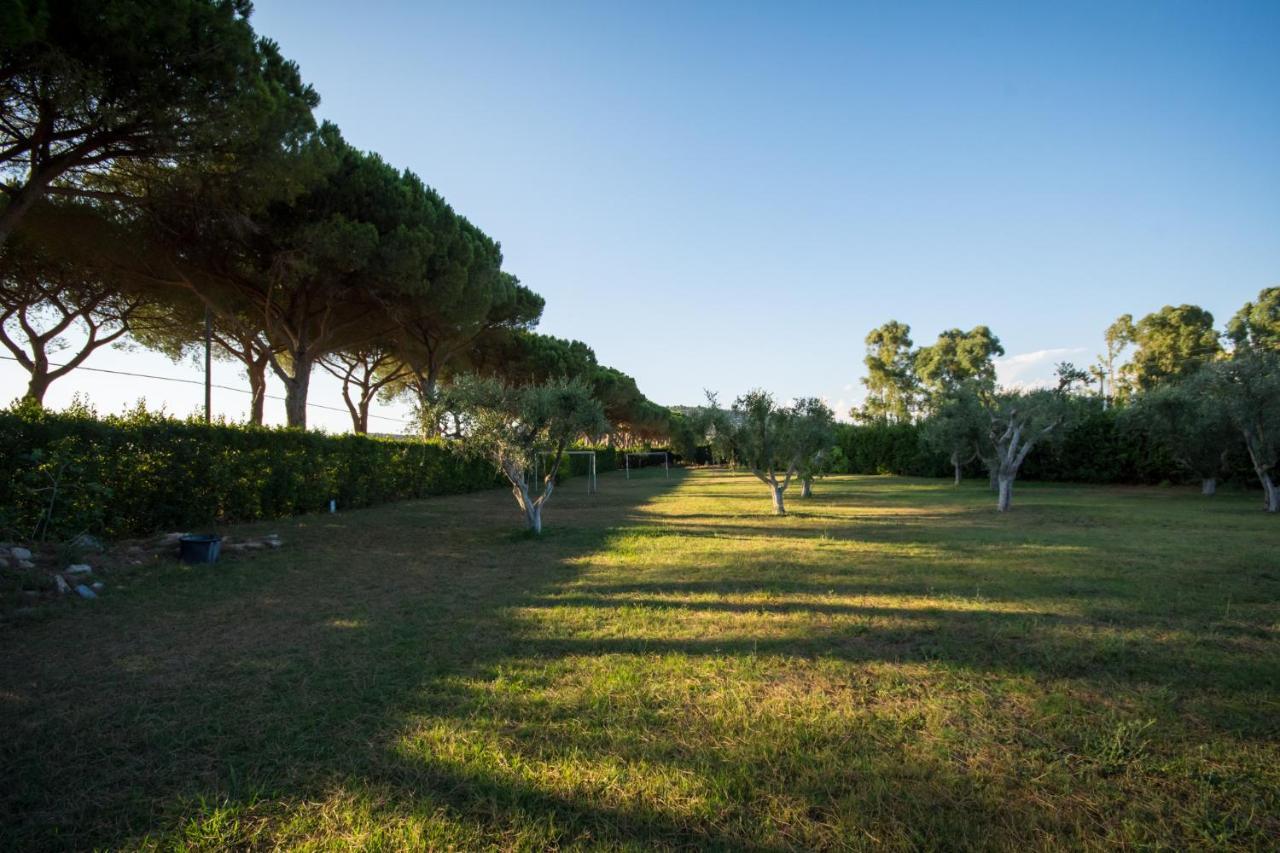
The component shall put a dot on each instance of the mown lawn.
(891, 666)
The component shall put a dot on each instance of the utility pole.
(208, 366)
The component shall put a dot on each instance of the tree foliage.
(958, 357)
(891, 380)
(99, 84)
(1172, 343)
(1257, 324)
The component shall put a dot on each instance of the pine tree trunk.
(806, 487)
(1005, 499)
(295, 393)
(37, 386)
(779, 508)
(362, 422)
(1209, 486)
(257, 391)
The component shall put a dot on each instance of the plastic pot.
(199, 548)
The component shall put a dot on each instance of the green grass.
(891, 666)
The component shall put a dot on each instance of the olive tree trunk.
(1004, 490)
(806, 487)
(530, 506)
(779, 507)
(1270, 492)
(1209, 486)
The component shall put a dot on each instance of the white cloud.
(1028, 370)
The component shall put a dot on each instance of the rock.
(99, 586)
(26, 564)
(85, 592)
(80, 569)
(62, 584)
(20, 553)
(273, 542)
(87, 541)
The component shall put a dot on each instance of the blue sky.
(730, 196)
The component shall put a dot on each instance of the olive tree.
(1247, 386)
(957, 427)
(816, 423)
(1018, 421)
(512, 425)
(775, 441)
(1186, 419)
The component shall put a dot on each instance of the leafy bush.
(141, 472)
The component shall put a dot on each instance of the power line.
(200, 382)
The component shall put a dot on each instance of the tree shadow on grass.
(368, 660)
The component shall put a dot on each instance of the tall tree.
(891, 379)
(178, 331)
(364, 370)
(513, 425)
(958, 357)
(60, 292)
(87, 86)
(1257, 324)
(1117, 337)
(1172, 343)
(315, 270)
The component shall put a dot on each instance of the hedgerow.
(143, 472)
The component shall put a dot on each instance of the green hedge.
(141, 473)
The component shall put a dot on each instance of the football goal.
(592, 481)
(666, 460)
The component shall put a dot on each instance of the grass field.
(891, 666)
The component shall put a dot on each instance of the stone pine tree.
(91, 86)
(61, 299)
(1247, 386)
(364, 370)
(512, 425)
(774, 441)
(1018, 422)
(1187, 420)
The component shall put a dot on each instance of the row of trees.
(164, 179)
(1198, 393)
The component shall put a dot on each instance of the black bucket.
(200, 548)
